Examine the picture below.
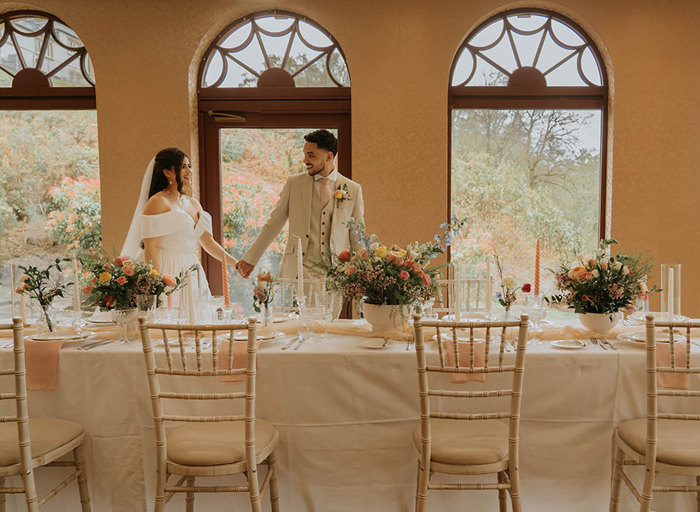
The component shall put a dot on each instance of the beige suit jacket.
(295, 205)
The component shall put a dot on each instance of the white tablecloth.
(345, 415)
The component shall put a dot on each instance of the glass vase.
(127, 320)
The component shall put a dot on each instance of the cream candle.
(300, 272)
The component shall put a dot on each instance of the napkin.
(464, 351)
(41, 359)
(663, 358)
(240, 359)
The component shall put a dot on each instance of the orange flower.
(404, 275)
(344, 255)
(168, 280)
(121, 280)
(88, 289)
(120, 260)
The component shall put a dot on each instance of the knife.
(301, 341)
(605, 340)
(291, 342)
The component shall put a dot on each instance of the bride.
(168, 225)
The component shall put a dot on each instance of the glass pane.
(255, 164)
(523, 175)
(49, 190)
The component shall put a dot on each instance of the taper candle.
(537, 269)
(224, 280)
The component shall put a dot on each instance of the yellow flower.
(154, 273)
(339, 194)
(105, 276)
(381, 252)
(23, 278)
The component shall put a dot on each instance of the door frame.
(215, 115)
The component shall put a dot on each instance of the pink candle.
(537, 269)
(170, 296)
(224, 277)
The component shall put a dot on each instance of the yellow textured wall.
(146, 54)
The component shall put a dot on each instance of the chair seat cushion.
(462, 442)
(46, 435)
(678, 440)
(211, 444)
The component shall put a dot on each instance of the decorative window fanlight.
(528, 48)
(39, 50)
(275, 50)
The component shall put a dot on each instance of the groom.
(317, 204)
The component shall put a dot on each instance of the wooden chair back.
(492, 364)
(680, 364)
(21, 417)
(206, 364)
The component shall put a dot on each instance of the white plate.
(568, 344)
(641, 316)
(661, 337)
(376, 343)
(68, 340)
(99, 322)
(243, 336)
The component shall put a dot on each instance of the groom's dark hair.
(168, 158)
(324, 140)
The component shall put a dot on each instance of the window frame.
(45, 98)
(527, 97)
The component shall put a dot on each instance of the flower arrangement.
(115, 284)
(388, 275)
(509, 288)
(603, 284)
(263, 293)
(39, 285)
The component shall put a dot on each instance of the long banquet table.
(345, 415)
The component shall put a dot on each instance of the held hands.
(244, 268)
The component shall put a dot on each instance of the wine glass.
(536, 311)
(324, 301)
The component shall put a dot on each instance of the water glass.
(536, 311)
(146, 306)
(324, 302)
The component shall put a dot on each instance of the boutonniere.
(341, 193)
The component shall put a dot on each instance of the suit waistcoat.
(319, 229)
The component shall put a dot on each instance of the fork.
(595, 342)
(607, 343)
(291, 342)
(301, 342)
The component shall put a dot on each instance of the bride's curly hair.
(168, 158)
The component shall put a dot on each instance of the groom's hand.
(244, 268)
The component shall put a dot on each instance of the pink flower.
(121, 280)
(344, 255)
(426, 278)
(604, 265)
(404, 275)
(120, 260)
(129, 271)
(591, 263)
(363, 253)
(168, 280)
(584, 298)
(351, 270)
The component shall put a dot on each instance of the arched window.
(528, 101)
(265, 81)
(49, 172)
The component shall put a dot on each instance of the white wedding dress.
(177, 252)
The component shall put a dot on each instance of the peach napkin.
(240, 359)
(663, 358)
(464, 351)
(41, 359)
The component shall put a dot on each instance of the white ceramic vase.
(385, 317)
(600, 323)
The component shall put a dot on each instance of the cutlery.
(100, 344)
(607, 343)
(88, 345)
(291, 342)
(8, 345)
(301, 342)
(595, 342)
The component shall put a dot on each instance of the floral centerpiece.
(389, 276)
(603, 284)
(509, 289)
(115, 284)
(39, 285)
(264, 293)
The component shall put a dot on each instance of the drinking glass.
(146, 306)
(324, 301)
(536, 311)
